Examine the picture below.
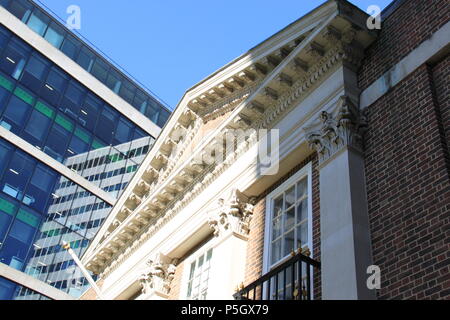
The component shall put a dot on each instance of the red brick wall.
(255, 247)
(408, 187)
(441, 77)
(404, 30)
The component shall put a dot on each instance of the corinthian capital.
(233, 215)
(157, 275)
(344, 126)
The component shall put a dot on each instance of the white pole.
(83, 269)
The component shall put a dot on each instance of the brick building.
(356, 125)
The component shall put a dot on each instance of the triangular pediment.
(253, 91)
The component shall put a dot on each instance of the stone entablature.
(285, 76)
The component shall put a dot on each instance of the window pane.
(70, 47)
(17, 175)
(278, 206)
(89, 112)
(86, 59)
(57, 143)
(37, 128)
(289, 219)
(5, 154)
(34, 73)
(163, 117)
(290, 197)
(55, 35)
(100, 70)
(123, 132)
(276, 228)
(15, 115)
(140, 101)
(38, 22)
(114, 81)
(106, 125)
(302, 211)
(288, 243)
(127, 91)
(41, 187)
(54, 86)
(21, 9)
(14, 58)
(302, 188)
(4, 95)
(302, 234)
(7, 212)
(153, 111)
(276, 251)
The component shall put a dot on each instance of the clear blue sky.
(171, 45)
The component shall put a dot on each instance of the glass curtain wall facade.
(43, 105)
(57, 35)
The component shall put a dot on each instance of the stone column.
(345, 234)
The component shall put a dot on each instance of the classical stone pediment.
(252, 92)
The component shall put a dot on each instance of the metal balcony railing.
(292, 280)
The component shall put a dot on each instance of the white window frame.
(202, 251)
(306, 171)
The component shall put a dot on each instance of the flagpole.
(91, 281)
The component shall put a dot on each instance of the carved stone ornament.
(157, 275)
(346, 126)
(233, 215)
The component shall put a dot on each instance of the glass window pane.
(14, 58)
(54, 86)
(41, 187)
(21, 9)
(71, 47)
(290, 197)
(127, 91)
(17, 175)
(4, 95)
(302, 211)
(302, 235)
(276, 251)
(106, 125)
(278, 206)
(140, 101)
(89, 112)
(37, 128)
(34, 73)
(15, 115)
(55, 35)
(153, 111)
(5, 154)
(163, 117)
(57, 143)
(86, 59)
(123, 132)
(7, 212)
(302, 188)
(4, 37)
(288, 243)
(289, 219)
(100, 70)
(38, 22)
(114, 81)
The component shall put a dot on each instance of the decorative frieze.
(344, 126)
(233, 215)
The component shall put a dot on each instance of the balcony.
(292, 280)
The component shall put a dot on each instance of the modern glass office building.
(73, 130)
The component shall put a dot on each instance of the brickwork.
(255, 249)
(408, 191)
(403, 31)
(175, 286)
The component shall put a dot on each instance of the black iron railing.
(292, 280)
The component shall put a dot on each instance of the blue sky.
(171, 45)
